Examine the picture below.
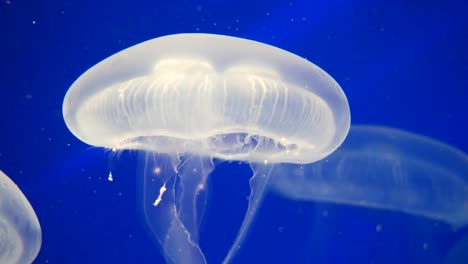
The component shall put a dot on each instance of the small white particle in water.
(110, 178)
(157, 170)
(378, 228)
(34, 22)
(425, 246)
(200, 187)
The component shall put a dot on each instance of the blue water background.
(401, 63)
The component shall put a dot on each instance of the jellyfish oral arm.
(161, 193)
(173, 218)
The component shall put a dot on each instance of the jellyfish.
(457, 253)
(20, 232)
(185, 100)
(385, 168)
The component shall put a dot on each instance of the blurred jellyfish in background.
(20, 232)
(186, 99)
(458, 254)
(385, 168)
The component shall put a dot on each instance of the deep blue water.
(401, 64)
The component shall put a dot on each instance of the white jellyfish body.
(385, 168)
(20, 232)
(188, 98)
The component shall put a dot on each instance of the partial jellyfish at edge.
(385, 168)
(183, 100)
(20, 232)
(457, 253)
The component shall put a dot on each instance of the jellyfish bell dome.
(210, 95)
(20, 231)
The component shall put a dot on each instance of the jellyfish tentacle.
(258, 185)
(166, 213)
(193, 174)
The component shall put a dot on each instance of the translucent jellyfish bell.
(20, 232)
(189, 98)
(385, 168)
